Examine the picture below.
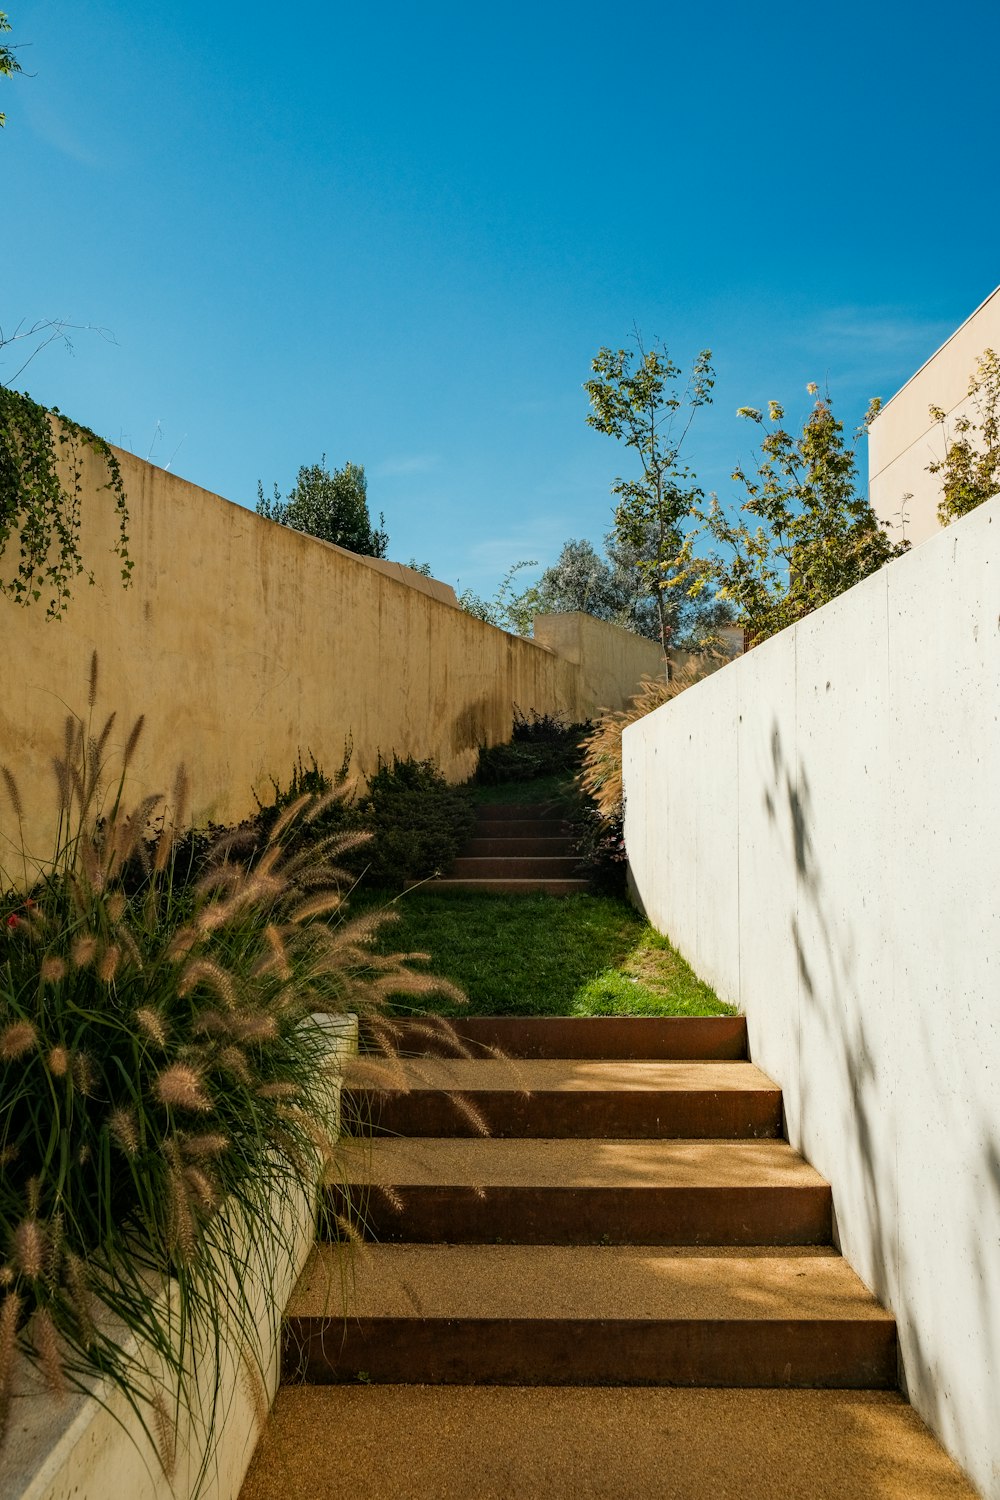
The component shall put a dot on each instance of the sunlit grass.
(544, 955)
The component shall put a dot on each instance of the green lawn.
(540, 955)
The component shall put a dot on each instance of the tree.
(636, 398)
(970, 469)
(814, 537)
(506, 610)
(9, 64)
(331, 506)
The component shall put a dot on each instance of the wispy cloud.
(47, 124)
(411, 463)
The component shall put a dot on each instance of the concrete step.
(646, 1037)
(505, 847)
(508, 887)
(514, 867)
(573, 1098)
(544, 1192)
(524, 828)
(588, 1315)
(487, 1442)
(519, 812)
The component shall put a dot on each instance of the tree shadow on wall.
(828, 999)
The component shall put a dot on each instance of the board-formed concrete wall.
(817, 827)
(244, 643)
(904, 438)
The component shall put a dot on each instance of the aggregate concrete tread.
(558, 1192)
(435, 1161)
(582, 1075)
(550, 1097)
(585, 1283)
(395, 1442)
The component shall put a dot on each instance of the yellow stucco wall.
(244, 642)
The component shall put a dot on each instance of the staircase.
(628, 1288)
(517, 847)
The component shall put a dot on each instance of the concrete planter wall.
(78, 1447)
(817, 827)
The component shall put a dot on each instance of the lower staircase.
(627, 1288)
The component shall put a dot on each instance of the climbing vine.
(40, 502)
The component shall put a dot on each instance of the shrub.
(161, 1081)
(601, 774)
(417, 821)
(540, 745)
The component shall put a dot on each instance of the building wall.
(903, 439)
(817, 827)
(244, 642)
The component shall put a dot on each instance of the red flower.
(13, 920)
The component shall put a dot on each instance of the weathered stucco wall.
(606, 656)
(903, 439)
(817, 827)
(244, 642)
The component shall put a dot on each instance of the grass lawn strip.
(537, 955)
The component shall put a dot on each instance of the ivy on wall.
(40, 506)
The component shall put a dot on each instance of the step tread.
(489, 845)
(587, 1284)
(573, 1443)
(639, 1164)
(579, 1075)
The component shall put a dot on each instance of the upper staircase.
(517, 846)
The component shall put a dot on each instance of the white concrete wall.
(904, 439)
(817, 827)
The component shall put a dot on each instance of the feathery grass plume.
(180, 1087)
(288, 817)
(205, 971)
(16, 1039)
(83, 1073)
(45, 1342)
(211, 1143)
(58, 1061)
(13, 792)
(601, 774)
(122, 1125)
(172, 821)
(10, 1314)
(28, 1247)
(92, 681)
(131, 744)
(131, 1194)
(275, 960)
(83, 951)
(107, 965)
(166, 1434)
(152, 1025)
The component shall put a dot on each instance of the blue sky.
(398, 234)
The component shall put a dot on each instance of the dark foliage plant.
(540, 745)
(418, 822)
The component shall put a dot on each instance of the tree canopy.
(331, 505)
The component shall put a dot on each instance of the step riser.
(528, 828)
(691, 1352)
(487, 848)
(739, 1114)
(653, 1038)
(514, 887)
(520, 812)
(517, 867)
(567, 1216)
